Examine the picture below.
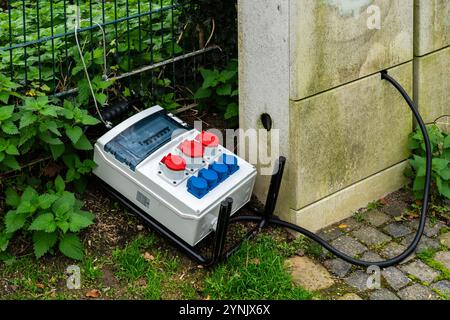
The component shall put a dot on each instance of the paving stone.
(371, 236)
(350, 297)
(421, 271)
(330, 233)
(383, 294)
(395, 278)
(394, 209)
(348, 245)
(445, 239)
(444, 258)
(443, 287)
(351, 224)
(371, 257)
(425, 243)
(309, 274)
(417, 292)
(358, 280)
(338, 267)
(393, 250)
(431, 229)
(397, 230)
(377, 218)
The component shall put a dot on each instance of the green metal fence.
(145, 41)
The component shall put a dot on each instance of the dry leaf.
(343, 226)
(383, 201)
(255, 261)
(200, 266)
(40, 286)
(93, 294)
(148, 257)
(140, 227)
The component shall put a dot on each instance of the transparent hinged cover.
(139, 141)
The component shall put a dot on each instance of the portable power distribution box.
(177, 175)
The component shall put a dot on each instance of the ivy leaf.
(14, 221)
(57, 150)
(74, 133)
(46, 200)
(71, 246)
(43, 242)
(83, 144)
(27, 119)
(6, 112)
(78, 222)
(12, 198)
(44, 222)
(10, 128)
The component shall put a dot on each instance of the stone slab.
(421, 271)
(443, 287)
(338, 267)
(432, 86)
(376, 218)
(432, 26)
(349, 246)
(332, 43)
(344, 203)
(397, 230)
(309, 274)
(417, 292)
(371, 236)
(443, 257)
(395, 278)
(350, 297)
(444, 239)
(345, 135)
(383, 294)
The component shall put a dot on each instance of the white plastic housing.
(168, 202)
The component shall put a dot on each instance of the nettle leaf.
(28, 118)
(64, 204)
(83, 144)
(6, 112)
(419, 184)
(203, 93)
(210, 78)
(43, 242)
(2, 156)
(232, 111)
(74, 133)
(78, 222)
(44, 222)
(57, 150)
(11, 162)
(12, 150)
(447, 142)
(14, 221)
(12, 198)
(47, 138)
(224, 90)
(70, 245)
(26, 207)
(46, 200)
(440, 164)
(30, 194)
(4, 241)
(10, 128)
(88, 120)
(59, 184)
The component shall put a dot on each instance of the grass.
(427, 257)
(256, 271)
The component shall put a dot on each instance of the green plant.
(220, 90)
(52, 217)
(256, 271)
(440, 143)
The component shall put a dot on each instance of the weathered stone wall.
(314, 66)
(432, 59)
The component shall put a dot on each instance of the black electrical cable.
(426, 196)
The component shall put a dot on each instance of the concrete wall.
(314, 67)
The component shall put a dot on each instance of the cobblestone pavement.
(381, 232)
